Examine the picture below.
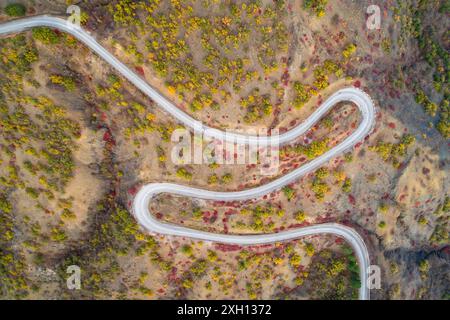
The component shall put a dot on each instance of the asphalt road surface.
(147, 192)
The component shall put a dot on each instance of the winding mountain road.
(147, 192)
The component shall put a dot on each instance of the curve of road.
(147, 192)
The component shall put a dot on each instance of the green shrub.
(183, 173)
(227, 178)
(58, 235)
(295, 260)
(316, 148)
(349, 51)
(383, 208)
(288, 192)
(322, 173)
(67, 82)
(319, 188)
(317, 6)
(347, 186)
(300, 216)
(187, 250)
(15, 10)
(45, 35)
(424, 266)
